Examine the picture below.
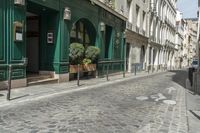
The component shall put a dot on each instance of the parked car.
(195, 64)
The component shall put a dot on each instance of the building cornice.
(104, 6)
(133, 35)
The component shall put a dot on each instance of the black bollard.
(107, 73)
(78, 76)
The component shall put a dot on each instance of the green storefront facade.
(39, 31)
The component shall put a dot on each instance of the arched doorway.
(83, 32)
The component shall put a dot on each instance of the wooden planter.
(82, 68)
(74, 68)
(89, 67)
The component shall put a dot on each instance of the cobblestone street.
(145, 105)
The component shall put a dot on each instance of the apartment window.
(122, 9)
(189, 39)
(138, 15)
(144, 20)
(151, 30)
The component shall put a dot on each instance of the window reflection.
(80, 34)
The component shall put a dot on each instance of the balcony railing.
(169, 43)
(137, 29)
(169, 23)
(129, 25)
(143, 32)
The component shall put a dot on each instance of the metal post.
(97, 74)
(148, 69)
(9, 81)
(194, 82)
(25, 62)
(124, 72)
(78, 75)
(107, 73)
(135, 69)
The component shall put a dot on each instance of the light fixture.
(19, 2)
(102, 26)
(124, 34)
(67, 13)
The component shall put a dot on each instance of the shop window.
(108, 41)
(80, 34)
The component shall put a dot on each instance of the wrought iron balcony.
(153, 8)
(170, 44)
(168, 22)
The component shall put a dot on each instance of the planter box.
(89, 67)
(82, 68)
(74, 68)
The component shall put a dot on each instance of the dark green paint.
(54, 57)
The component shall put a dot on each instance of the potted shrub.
(76, 54)
(88, 66)
(91, 57)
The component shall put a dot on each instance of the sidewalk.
(33, 93)
(193, 111)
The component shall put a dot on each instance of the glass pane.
(81, 27)
(73, 32)
(87, 39)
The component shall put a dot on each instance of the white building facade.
(190, 42)
(162, 34)
(151, 30)
(198, 33)
(137, 35)
(179, 39)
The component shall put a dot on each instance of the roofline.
(104, 6)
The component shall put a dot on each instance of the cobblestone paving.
(111, 109)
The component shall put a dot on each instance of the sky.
(188, 8)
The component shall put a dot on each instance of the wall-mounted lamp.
(124, 34)
(102, 26)
(67, 13)
(19, 2)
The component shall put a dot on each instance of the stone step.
(34, 78)
(43, 81)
